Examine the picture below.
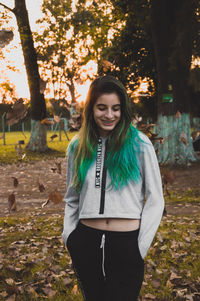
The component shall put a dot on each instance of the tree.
(157, 40)
(131, 52)
(131, 49)
(172, 30)
(71, 38)
(38, 108)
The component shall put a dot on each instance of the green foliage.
(71, 38)
(131, 49)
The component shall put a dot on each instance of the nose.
(109, 113)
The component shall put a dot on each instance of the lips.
(105, 122)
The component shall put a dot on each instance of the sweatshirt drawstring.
(102, 246)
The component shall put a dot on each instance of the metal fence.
(25, 126)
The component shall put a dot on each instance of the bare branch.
(6, 7)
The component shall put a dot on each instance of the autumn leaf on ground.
(10, 281)
(156, 283)
(149, 297)
(3, 294)
(59, 168)
(67, 281)
(75, 289)
(49, 292)
(11, 298)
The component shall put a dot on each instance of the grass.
(35, 265)
(8, 153)
(191, 196)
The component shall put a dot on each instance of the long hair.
(122, 143)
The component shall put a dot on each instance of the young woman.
(114, 200)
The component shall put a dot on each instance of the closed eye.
(114, 108)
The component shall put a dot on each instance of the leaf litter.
(34, 264)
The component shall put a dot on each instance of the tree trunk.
(38, 141)
(173, 52)
(177, 147)
(38, 106)
(196, 123)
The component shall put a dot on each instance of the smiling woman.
(107, 113)
(111, 170)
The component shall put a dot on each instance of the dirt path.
(30, 199)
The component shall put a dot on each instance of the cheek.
(97, 114)
(118, 114)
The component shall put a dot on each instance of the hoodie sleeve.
(72, 202)
(154, 205)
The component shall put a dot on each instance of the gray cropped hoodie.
(142, 200)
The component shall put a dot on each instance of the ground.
(29, 198)
(35, 265)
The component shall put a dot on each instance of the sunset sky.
(14, 57)
(13, 51)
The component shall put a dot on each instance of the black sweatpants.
(108, 264)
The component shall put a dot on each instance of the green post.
(60, 131)
(3, 128)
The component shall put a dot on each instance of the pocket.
(69, 239)
(139, 254)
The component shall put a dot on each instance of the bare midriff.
(112, 224)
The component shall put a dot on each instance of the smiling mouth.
(107, 122)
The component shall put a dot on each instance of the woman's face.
(107, 113)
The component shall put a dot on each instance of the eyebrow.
(102, 104)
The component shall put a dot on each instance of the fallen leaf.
(59, 169)
(11, 298)
(75, 289)
(67, 281)
(4, 294)
(49, 292)
(174, 276)
(150, 296)
(156, 283)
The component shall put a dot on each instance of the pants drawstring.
(102, 246)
